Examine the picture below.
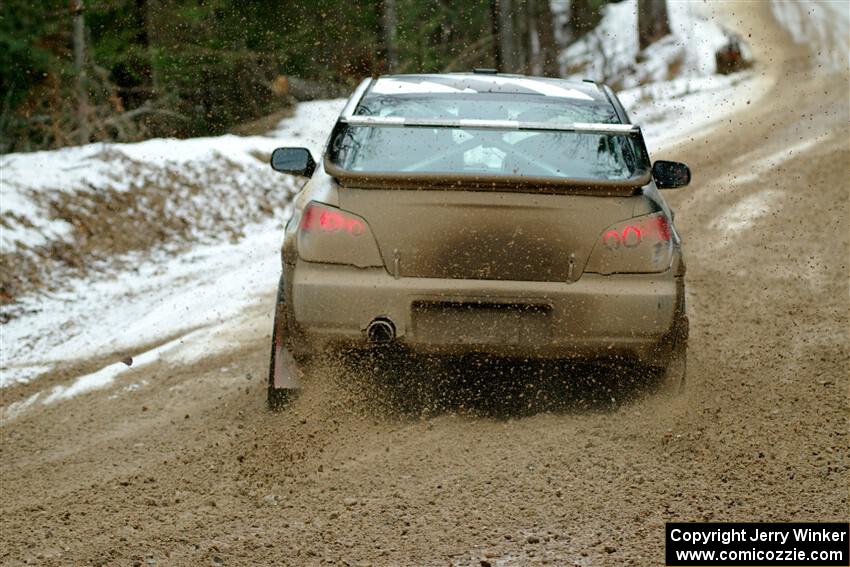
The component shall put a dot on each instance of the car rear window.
(488, 152)
(485, 106)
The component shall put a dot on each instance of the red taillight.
(327, 219)
(631, 235)
(324, 235)
(612, 239)
(639, 245)
(663, 227)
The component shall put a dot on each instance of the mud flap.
(287, 373)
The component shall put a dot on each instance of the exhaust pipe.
(380, 331)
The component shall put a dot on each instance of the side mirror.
(295, 161)
(670, 174)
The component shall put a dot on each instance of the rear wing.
(477, 124)
(456, 180)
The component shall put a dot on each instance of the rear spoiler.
(454, 180)
(477, 124)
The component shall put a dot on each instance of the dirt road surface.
(485, 462)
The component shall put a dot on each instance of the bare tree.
(542, 51)
(524, 37)
(584, 15)
(606, 73)
(389, 22)
(521, 20)
(79, 36)
(653, 22)
(494, 26)
(503, 30)
(535, 51)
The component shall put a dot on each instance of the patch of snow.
(745, 212)
(187, 296)
(107, 375)
(671, 88)
(823, 26)
(21, 371)
(610, 51)
(164, 297)
(16, 408)
(761, 165)
(671, 111)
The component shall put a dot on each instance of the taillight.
(328, 219)
(655, 227)
(638, 245)
(333, 236)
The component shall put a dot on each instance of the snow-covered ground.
(224, 165)
(610, 52)
(165, 298)
(671, 111)
(824, 25)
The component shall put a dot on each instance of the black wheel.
(286, 364)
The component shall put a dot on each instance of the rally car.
(481, 212)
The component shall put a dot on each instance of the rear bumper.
(625, 315)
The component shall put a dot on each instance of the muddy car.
(480, 212)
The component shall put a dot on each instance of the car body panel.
(485, 235)
(595, 317)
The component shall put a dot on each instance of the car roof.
(447, 83)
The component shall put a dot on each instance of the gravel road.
(480, 463)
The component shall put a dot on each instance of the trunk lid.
(487, 235)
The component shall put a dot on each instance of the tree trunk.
(535, 52)
(521, 42)
(546, 33)
(494, 23)
(584, 15)
(503, 19)
(390, 27)
(653, 22)
(153, 40)
(80, 68)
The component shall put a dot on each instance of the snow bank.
(823, 26)
(610, 52)
(164, 299)
(29, 182)
(669, 111)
